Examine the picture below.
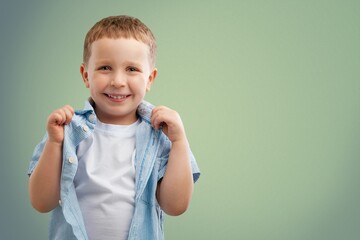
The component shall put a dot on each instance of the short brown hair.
(120, 27)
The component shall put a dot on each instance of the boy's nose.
(118, 81)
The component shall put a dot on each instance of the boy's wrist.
(53, 143)
(181, 142)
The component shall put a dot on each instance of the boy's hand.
(170, 122)
(56, 122)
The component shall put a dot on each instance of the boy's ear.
(151, 79)
(84, 74)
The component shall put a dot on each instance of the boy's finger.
(69, 108)
(156, 121)
(68, 114)
(57, 118)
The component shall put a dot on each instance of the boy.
(110, 170)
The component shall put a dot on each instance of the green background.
(269, 92)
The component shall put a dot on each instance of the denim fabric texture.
(152, 152)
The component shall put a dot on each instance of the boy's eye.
(131, 69)
(105, 68)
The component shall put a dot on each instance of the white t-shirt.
(105, 181)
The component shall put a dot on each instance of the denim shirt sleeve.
(164, 156)
(194, 167)
(36, 154)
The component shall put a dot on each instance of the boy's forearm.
(44, 182)
(175, 190)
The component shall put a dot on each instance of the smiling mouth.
(116, 97)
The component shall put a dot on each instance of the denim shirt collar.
(144, 111)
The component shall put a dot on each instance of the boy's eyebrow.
(132, 63)
(102, 61)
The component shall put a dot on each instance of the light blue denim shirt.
(152, 152)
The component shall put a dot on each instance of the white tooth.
(116, 97)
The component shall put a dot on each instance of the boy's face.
(118, 75)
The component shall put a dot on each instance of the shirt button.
(71, 160)
(60, 202)
(92, 117)
(85, 128)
